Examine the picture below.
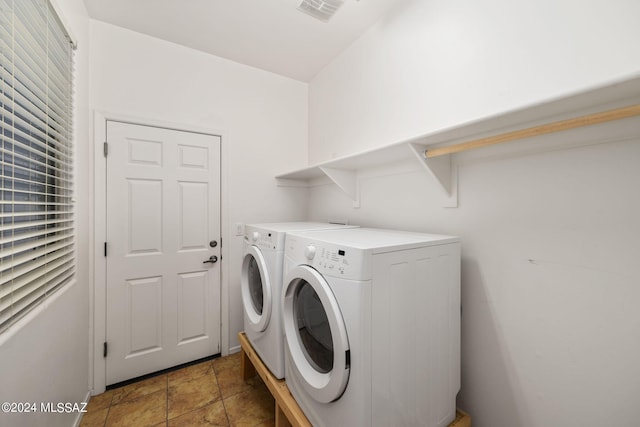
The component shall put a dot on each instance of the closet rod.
(587, 120)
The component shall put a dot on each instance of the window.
(36, 159)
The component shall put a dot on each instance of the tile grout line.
(226, 414)
(166, 411)
(108, 410)
(195, 409)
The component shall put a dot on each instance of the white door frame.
(97, 292)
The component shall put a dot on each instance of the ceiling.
(268, 34)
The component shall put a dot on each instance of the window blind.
(36, 156)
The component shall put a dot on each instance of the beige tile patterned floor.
(211, 393)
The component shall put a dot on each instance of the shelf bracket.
(441, 170)
(346, 180)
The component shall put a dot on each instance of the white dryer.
(372, 327)
(261, 287)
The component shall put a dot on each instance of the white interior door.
(163, 217)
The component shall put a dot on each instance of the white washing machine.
(372, 327)
(261, 287)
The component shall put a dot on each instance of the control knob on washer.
(310, 252)
(255, 236)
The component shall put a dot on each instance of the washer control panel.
(261, 239)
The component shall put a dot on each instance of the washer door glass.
(254, 282)
(315, 334)
(313, 328)
(255, 289)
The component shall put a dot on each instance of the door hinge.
(104, 349)
(105, 149)
(105, 248)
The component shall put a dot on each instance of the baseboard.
(76, 423)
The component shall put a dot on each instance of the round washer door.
(256, 289)
(315, 334)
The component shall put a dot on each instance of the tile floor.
(211, 393)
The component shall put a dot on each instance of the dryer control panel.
(328, 259)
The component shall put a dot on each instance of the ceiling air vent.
(321, 9)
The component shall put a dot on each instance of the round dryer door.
(315, 334)
(256, 289)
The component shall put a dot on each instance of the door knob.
(212, 259)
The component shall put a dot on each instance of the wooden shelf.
(526, 123)
(287, 411)
(344, 171)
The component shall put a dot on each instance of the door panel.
(144, 310)
(163, 207)
(194, 214)
(192, 307)
(144, 216)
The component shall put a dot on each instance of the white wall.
(436, 63)
(262, 116)
(44, 358)
(549, 273)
